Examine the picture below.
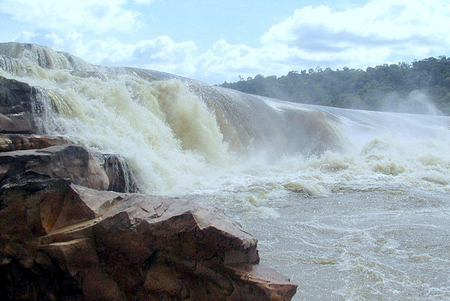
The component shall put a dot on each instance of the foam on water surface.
(352, 205)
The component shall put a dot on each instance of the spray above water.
(182, 136)
(417, 102)
(357, 201)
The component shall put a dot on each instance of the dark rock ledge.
(64, 236)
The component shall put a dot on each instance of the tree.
(356, 88)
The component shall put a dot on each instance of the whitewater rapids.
(352, 205)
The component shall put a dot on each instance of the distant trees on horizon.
(412, 88)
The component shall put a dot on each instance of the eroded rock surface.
(84, 244)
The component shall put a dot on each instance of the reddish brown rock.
(15, 97)
(82, 166)
(115, 246)
(16, 123)
(121, 177)
(63, 161)
(61, 241)
(11, 142)
(16, 107)
(274, 285)
(21, 110)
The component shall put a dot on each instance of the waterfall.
(176, 133)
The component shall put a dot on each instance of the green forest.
(420, 87)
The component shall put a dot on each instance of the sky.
(217, 41)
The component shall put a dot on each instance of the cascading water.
(356, 201)
(173, 131)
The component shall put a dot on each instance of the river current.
(351, 205)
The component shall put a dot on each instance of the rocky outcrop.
(63, 241)
(25, 149)
(74, 162)
(16, 101)
(54, 156)
(63, 161)
(11, 142)
(121, 177)
(63, 236)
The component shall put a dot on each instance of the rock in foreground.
(60, 241)
(79, 164)
(64, 237)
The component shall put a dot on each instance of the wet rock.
(15, 96)
(11, 142)
(21, 111)
(62, 161)
(82, 166)
(121, 177)
(63, 237)
(16, 107)
(84, 244)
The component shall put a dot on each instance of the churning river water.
(351, 205)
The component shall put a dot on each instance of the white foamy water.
(352, 205)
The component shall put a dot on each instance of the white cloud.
(164, 54)
(161, 53)
(57, 41)
(144, 1)
(98, 16)
(26, 36)
(381, 31)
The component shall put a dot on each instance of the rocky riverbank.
(74, 227)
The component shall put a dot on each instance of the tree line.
(411, 88)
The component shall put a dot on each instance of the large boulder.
(62, 161)
(60, 241)
(16, 107)
(79, 164)
(15, 96)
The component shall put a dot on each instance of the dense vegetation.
(396, 87)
